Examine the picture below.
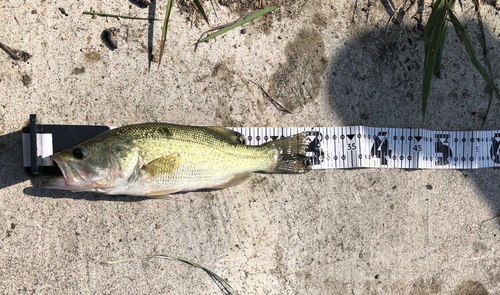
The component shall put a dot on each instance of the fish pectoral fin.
(163, 165)
(230, 135)
(235, 180)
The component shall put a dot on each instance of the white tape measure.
(328, 148)
(373, 147)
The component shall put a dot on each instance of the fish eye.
(79, 153)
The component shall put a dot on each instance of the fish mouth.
(74, 177)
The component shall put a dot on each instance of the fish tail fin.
(291, 154)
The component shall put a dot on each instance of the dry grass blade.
(220, 282)
(394, 13)
(120, 16)
(164, 31)
(490, 219)
(213, 7)
(274, 102)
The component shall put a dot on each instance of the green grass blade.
(464, 38)
(116, 15)
(240, 22)
(200, 8)
(432, 35)
(220, 282)
(439, 49)
(437, 16)
(164, 31)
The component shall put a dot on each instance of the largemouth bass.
(156, 159)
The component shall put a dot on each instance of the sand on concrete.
(369, 231)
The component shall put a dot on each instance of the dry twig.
(392, 17)
(15, 54)
(274, 102)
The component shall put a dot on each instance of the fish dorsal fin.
(235, 180)
(163, 165)
(232, 136)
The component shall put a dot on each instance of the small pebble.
(143, 2)
(110, 36)
(63, 11)
(26, 80)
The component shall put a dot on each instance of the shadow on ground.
(11, 160)
(375, 80)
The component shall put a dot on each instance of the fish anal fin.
(230, 135)
(161, 194)
(163, 165)
(235, 180)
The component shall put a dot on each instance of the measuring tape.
(328, 147)
(373, 147)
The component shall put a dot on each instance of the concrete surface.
(327, 232)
